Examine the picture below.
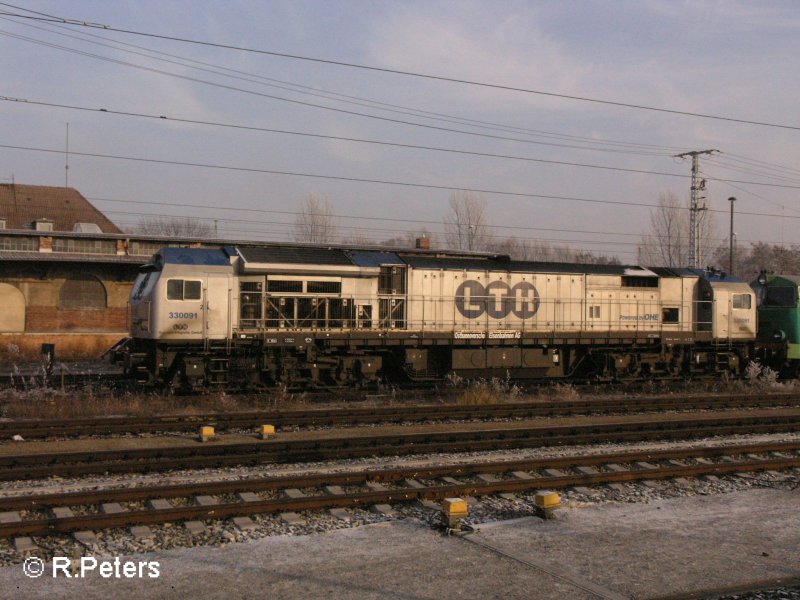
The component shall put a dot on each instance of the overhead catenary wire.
(593, 140)
(459, 131)
(317, 92)
(749, 170)
(409, 184)
(381, 230)
(552, 245)
(254, 128)
(579, 98)
(762, 163)
(379, 142)
(729, 182)
(349, 217)
(320, 106)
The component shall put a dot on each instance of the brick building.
(65, 273)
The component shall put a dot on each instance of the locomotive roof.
(792, 279)
(518, 266)
(295, 255)
(197, 256)
(374, 258)
(331, 256)
(709, 274)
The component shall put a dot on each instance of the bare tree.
(467, 225)
(357, 239)
(315, 222)
(751, 260)
(667, 244)
(188, 227)
(540, 250)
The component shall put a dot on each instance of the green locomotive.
(778, 341)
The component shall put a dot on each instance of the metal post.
(730, 260)
(66, 161)
(694, 222)
(698, 185)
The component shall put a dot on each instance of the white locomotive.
(304, 315)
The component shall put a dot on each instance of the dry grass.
(479, 394)
(43, 403)
(562, 391)
(495, 391)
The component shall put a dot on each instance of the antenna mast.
(66, 161)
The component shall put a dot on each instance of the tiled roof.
(20, 205)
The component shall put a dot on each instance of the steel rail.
(36, 428)
(50, 526)
(261, 484)
(30, 466)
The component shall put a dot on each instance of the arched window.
(82, 291)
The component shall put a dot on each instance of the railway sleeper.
(291, 506)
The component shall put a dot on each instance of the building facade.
(65, 274)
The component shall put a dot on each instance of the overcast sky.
(731, 59)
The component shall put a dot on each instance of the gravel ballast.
(665, 547)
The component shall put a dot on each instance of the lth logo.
(497, 299)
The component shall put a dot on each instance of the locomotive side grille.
(281, 286)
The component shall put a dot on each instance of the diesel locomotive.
(253, 317)
(778, 342)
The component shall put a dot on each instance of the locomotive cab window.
(670, 315)
(780, 296)
(594, 312)
(182, 289)
(742, 301)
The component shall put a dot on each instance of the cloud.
(513, 50)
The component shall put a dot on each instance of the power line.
(321, 176)
(750, 170)
(385, 182)
(366, 180)
(374, 117)
(758, 164)
(311, 104)
(24, 101)
(554, 243)
(330, 95)
(50, 18)
(378, 229)
(348, 217)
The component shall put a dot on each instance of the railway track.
(41, 428)
(312, 446)
(50, 514)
